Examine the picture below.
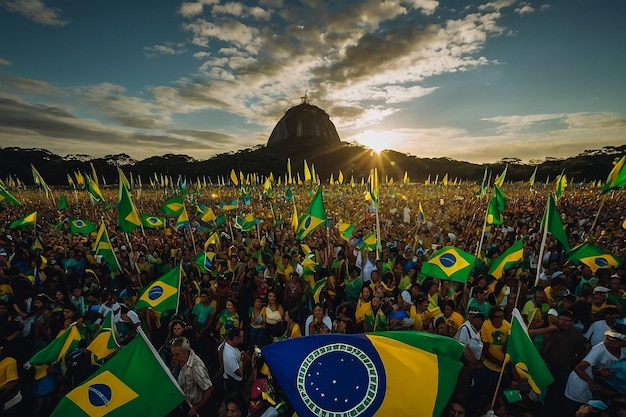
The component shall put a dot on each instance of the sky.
(471, 80)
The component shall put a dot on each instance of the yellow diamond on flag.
(102, 394)
(157, 292)
(450, 262)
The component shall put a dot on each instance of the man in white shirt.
(233, 359)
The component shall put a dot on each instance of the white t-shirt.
(470, 338)
(595, 333)
(577, 389)
(231, 357)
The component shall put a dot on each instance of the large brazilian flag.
(340, 375)
(135, 382)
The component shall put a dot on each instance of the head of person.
(318, 311)
(496, 316)
(539, 296)
(234, 406)
(234, 336)
(366, 293)
(476, 318)
(565, 320)
(178, 327)
(230, 305)
(181, 349)
(615, 336)
(599, 295)
(449, 308)
(456, 409)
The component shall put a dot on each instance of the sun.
(373, 140)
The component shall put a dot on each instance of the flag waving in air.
(105, 343)
(617, 177)
(366, 375)
(135, 382)
(524, 357)
(509, 259)
(58, 348)
(593, 256)
(449, 263)
(28, 220)
(495, 211)
(314, 217)
(162, 294)
(128, 218)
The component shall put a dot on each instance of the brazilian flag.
(593, 256)
(314, 217)
(135, 382)
(153, 222)
(449, 263)
(174, 206)
(58, 348)
(83, 227)
(511, 258)
(162, 294)
(366, 374)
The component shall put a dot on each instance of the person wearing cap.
(598, 299)
(593, 408)
(472, 358)
(581, 384)
(616, 293)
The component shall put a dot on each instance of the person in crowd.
(193, 378)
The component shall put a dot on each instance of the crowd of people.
(264, 286)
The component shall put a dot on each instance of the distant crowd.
(264, 286)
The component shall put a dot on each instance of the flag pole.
(495, 393)
(482, 232)
(593, 226)
(193, 242)
(543, 244)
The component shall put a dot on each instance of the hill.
(350, 158)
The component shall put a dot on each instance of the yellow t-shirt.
(496, 337)
(362, 308)
(8, 371)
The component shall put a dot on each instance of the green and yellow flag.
(162, 294)
(314, 217)
(94, 190)
(213, 239)
(105, 343)
(6, 195)
(58, 348)
(449, 263)
(511, 258)
(617, 177)
(26, 221)
(102, 247)
(153, 222)
(371, 369)
(83, 227)
(593, 256)
(127, 216)
(495, 211)
(555, 224)
(174, 206)
(135, 382)
(524, 357)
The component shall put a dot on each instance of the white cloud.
(5, 62)
(36, 11)
(168, 48)
(525, 9)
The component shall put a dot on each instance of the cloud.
(189, 9)
(168, 48)
(5, 62)
(36, 11)
(524, 9)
